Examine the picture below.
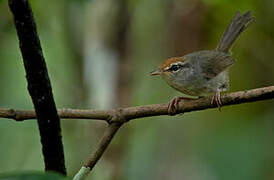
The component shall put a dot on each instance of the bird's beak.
(155, 73)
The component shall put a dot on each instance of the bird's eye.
(174, 68)
(177, 67)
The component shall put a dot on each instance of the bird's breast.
(195, 85)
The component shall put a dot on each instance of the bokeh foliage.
(91, 46)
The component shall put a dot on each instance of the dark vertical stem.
(39, 86)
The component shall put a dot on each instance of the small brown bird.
(205, 72)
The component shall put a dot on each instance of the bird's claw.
(217, 99)
(173, 105)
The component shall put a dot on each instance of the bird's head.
(171, 68)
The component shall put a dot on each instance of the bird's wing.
(211, 63)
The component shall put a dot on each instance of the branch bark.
(99, 150)
(103, 144)
(137, 112)
(39, 86)
(117, 117)
(123, 115)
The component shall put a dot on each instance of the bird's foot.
(173, 105)
(217, 99)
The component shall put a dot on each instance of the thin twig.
(130, 113)
(66, 113)
(102, 145)
(99, 150)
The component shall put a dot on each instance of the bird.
(206, 72)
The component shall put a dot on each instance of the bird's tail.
(237, 25)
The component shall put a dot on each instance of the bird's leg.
(173, 104)
(217, 99)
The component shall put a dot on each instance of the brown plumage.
(170, 61)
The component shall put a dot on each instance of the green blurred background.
(99, 54)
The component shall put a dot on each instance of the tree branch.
(130, 113)
(117, 117)
(123, 115)
(102, 145)
(39, 86)
(99, 150)
(66, 113)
